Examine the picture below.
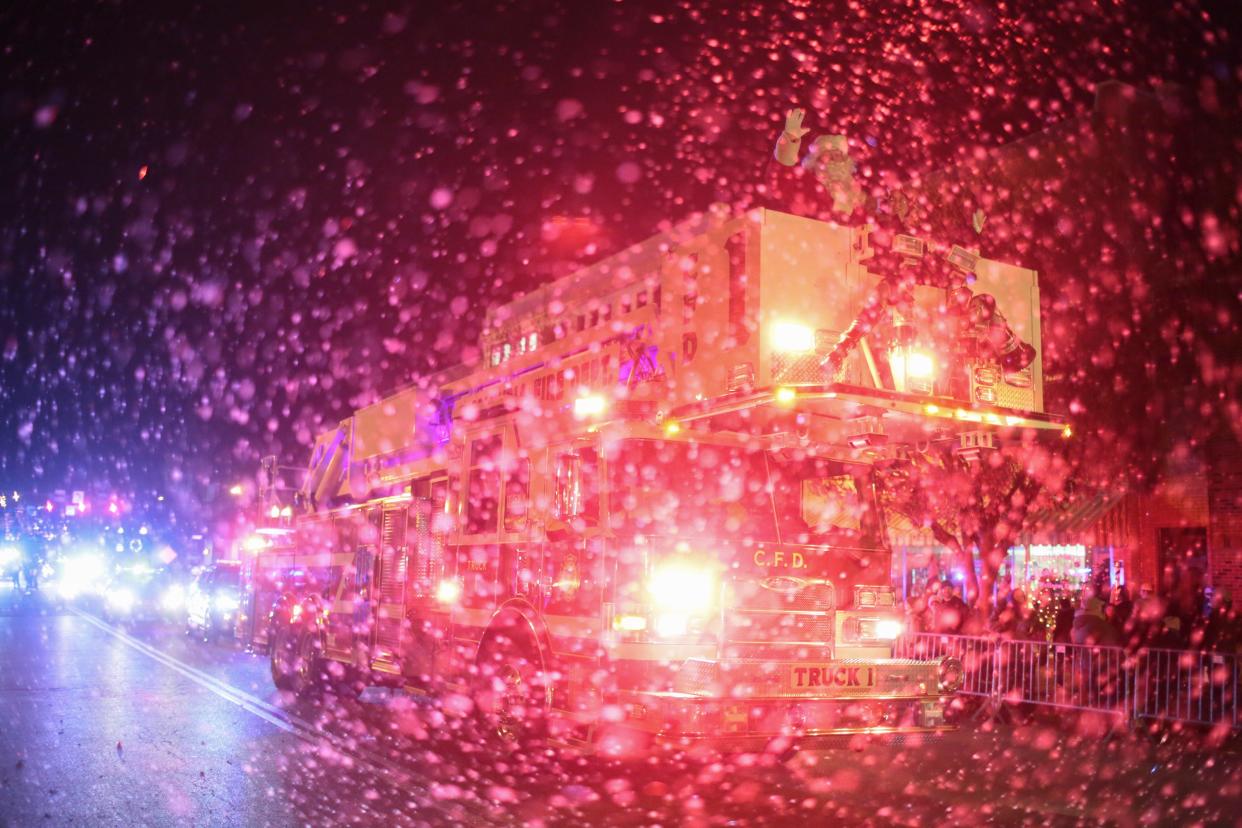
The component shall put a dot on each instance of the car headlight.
(173, 598)
(8, 555)
(83, 574)
(122, 599)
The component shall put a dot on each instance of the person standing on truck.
(826, 170)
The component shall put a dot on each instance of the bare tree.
(976, 505)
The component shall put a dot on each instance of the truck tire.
(295, 661)
(510, 694)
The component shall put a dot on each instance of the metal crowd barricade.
(1074, 676)
(1193, 687)
(1186, 686)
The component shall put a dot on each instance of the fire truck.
(648, 515)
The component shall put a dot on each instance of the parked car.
(213, 600)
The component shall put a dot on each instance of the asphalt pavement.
(113, 724)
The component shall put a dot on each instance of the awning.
(1075, 521)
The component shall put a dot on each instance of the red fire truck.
(649, 516)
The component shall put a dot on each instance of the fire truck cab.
(650, 515)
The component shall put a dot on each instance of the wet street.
(104, 725)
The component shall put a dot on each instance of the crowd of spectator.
(1098, 615)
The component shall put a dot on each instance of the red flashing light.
(49, 506)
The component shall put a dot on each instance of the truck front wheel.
(294, 661)
(511, 694)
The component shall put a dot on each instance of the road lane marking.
(282, 719)
(229, 693)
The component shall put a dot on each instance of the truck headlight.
(226, 603)
(873, 629)
(680, 592)
(682, 587)
(888, 629)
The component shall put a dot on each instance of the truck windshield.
(822, 501)
(696, 489)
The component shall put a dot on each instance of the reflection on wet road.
(107, 726)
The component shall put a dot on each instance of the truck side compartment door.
(391, 572)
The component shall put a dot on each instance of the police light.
(792, 338)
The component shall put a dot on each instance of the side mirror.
(575, 497)
(567, 503)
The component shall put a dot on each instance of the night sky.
(224, 225)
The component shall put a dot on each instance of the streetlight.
(236, 490)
